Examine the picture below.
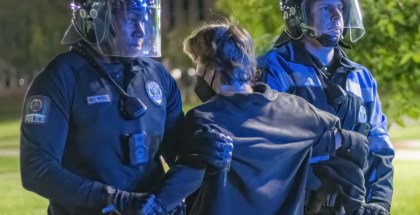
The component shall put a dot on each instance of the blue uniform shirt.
(72, 131)
(289, 69)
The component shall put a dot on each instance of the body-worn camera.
(137, 148)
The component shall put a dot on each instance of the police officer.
(97, 118)
(308, 60)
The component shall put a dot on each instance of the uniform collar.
(301, 56)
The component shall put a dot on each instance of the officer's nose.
(336, 13)
(139, 30)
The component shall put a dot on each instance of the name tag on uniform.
(98, 99)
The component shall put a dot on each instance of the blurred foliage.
(390, 48)
(31, 32)
(262, 18)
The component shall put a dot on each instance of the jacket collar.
(262, 94)
(298, 54)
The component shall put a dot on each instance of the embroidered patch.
(362, 114)
(37, 109)
(154, 92)
(98, 99)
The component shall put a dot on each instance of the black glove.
(372, 209)
(343, 177)
(150, 206)
(319, 198)
(180, 209)
(212, 147)
(131, 203)
(354, 147)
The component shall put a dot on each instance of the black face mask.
(203, 90)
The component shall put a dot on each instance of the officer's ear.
(260, 75)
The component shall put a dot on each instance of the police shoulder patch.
(362, 117)
(36, 110)
(154, 92)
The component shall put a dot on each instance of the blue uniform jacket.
(273, 148)
(288, 69)
(71, 133)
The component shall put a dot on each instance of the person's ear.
(200, 70)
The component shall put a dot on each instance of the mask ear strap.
(204, 73)
(212, 80)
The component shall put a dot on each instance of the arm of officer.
(379, 174)
(44, 132)
(174, 123)
(336, 174)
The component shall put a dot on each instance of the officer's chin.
(132, 51)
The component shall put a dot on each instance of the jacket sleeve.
(379, 175)
(325, 147)
(44, 131)
(182, 179)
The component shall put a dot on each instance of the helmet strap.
(324, 39)
(327, 40)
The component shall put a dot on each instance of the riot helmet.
(300, 20)
(121, 28)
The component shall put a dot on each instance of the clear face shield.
(335, 18)
(127, 28)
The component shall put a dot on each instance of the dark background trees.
(31, 31)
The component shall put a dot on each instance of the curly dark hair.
(224, 46)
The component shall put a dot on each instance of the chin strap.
(328, 41)
(325, 40)
(341, 43)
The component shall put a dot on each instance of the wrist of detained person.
(191, 160)
(338, 139)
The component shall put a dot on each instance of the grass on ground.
(9, 134)
(10, 109)
(409, 132)
(17, 201)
